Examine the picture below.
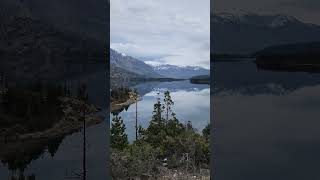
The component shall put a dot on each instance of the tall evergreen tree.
(206, 132)
(189, 126)
(156, 130)
(119, 139)
(167, 106)
(157, 113)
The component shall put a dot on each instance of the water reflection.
(61, 157)
(266, 123)
(245, 78)
(191, 103)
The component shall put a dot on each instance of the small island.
(122, 98)
(202, 79)
(303, 57)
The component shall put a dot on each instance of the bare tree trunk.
(167, 112)
(136, 120)
(84, 144)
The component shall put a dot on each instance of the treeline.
(120, 95)
(166, 144)
(33, 107)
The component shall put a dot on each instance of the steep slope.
(132, 65)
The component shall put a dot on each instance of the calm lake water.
(266, 123)
(61, 159)
(191, 103)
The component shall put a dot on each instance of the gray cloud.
(176, 32)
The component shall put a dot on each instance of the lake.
(62, 158)
(191, 103)
(266, 123)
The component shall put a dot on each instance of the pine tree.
(168, 103)
(206, 132)
(119, 139)
(157, 113)
(189, 126)
(156, 130)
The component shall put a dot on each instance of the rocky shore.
(116, 107)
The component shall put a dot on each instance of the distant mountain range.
(183, 72)
(126, 67)
(248, 32)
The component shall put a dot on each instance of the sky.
(305, 10)
(173, 32)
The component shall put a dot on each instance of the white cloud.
(175, 32)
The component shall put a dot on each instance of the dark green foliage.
(135, 160)
(165, 138)
(174, 127)
(173, 138)
(206, 132)
(120, 95)
(33, 108)
(156, 131)
(119, 139)
(167, 103)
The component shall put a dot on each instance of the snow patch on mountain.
(178, 71)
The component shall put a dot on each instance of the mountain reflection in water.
(62, 157)
(266, 123)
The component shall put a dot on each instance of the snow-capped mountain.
(129, 66)
(184, 72)
(246, 33)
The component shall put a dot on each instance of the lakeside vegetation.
(42, 110)
(290, 57)
(122, 98)
(35, 118)
(121, 95)
(164, 149)
(202, 79)
(30, 109)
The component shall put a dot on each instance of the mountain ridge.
(247, 33)
(174, 71)
(130, 64)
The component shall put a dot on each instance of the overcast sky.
(164, 31)
(305, 10)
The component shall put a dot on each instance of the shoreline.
(68, 124)
(118, 107)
